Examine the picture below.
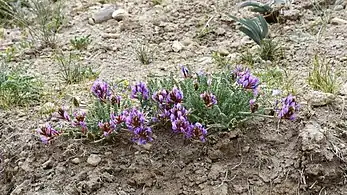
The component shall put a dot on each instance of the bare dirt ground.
(305, 157)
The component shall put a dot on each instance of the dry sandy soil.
(305, 157)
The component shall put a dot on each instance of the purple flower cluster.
(119, 119)
(181, 124)
(107, 127)
(209, 99)
(135, 122)
(100, 89)
(185, 72)
(170, 108)
(175, 96)
(248, 81)
(289, 107)
(47, 133)
(140, 89)
(160, 96)
(104, 92)
(79, 120)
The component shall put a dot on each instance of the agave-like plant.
(256, 28)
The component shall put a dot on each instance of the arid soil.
(307, 156)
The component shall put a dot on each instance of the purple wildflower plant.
(140, 88)
(197, 131)
(288, 109)
(47, 133)
(175, 96)
(63, 114)
(107, 127)
(209, 99)
(79, 120)
(135, 122)
(100, 89)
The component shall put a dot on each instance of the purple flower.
(107, 127)
(142, 135)
(197, 131)
(181, 125)
(249, 81)
(47, 133)
(160, 96)
(238, 72)
(101, 90)
(209, 99)
(119, 118)
(79, 120)
(175, 96)
(135, 121)
(63, 114)
(140, 88)
(177, 112)
(289, 107)
(185, 72)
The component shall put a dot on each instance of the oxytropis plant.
(190, 106)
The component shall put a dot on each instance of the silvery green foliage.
(256, 28)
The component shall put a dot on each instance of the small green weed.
(277, 79)
(221, 60)
(322, 77)
(157, 2)
(17, 88)
(81, 43)
(8, 54)
(70, 69)
(144, 54)
(269, 50)
(47, 20)
(248, 58)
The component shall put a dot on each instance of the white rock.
(103, 15)
(338, 21)
(311, 135)
(119, 14)
(206, 60)
(318, 98)
(343, 90)
(338, 7)
(177, 46)
(94, 159)
(75, 161)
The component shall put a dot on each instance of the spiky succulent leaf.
(256, 28)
